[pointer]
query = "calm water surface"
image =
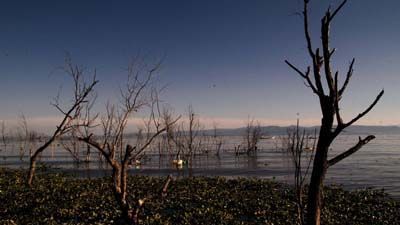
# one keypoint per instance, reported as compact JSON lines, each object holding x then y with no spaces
{"x":376,"y":165}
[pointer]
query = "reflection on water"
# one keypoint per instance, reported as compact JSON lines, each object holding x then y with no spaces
{"x":376,"y":165}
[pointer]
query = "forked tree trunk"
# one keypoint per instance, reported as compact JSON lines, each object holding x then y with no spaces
{"x":119,"y":176}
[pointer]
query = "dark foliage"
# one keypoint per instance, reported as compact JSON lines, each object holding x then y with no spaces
{"x":59,"y":199}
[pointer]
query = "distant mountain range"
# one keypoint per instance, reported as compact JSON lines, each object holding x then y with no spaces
{"x":277,"y":130}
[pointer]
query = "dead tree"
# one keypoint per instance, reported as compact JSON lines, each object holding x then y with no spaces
{"x":217,"y":140}
{"x":25,"y":137}
{"x":299,"y":147}
{"x":192,"y":142}
{"x":4,"y":136}
{"x":329,"y":102}
{"x":253,"y":134}
{"x":187,"y":136}
{"x":88,"y":116}
{"x":81,"y":92}
{"x":170,"y":131}
{"x":136,"y":97}
{"x":72,"y":143}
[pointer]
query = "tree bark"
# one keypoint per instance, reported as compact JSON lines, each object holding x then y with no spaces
{"x":116,"y":176}
{"x":320,"y":167}
{"x":329,"y":103}
{"x":32,"y":168}
{"x":315,"y":189}
{"x":119,"y":176}
{"x":33,"y":159}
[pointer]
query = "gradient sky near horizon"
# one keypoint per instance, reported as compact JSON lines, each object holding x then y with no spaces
{"x":226,"y":58}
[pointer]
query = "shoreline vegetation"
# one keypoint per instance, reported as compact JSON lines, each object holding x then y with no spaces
{"x":57,"y":198}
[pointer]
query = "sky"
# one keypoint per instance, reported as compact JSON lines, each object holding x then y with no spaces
{"x":225,"y":58}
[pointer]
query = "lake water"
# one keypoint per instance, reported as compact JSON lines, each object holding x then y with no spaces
{"x":376,"y":165}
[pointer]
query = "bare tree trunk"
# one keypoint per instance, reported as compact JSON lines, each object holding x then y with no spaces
{"x":315,"y":189}
{"x":32,"y":168}
{"x":119,"y":181}
{"x":135,"y":98}
{"x":4,"y":136}
{"x":116,"y":177}
{"x":295,"y":145}
{"x":320,"y":166}
{"x":300,"y":207}
{"x":87,"y":160}
{"x":33,"y":159}
{"x":330,"y":107}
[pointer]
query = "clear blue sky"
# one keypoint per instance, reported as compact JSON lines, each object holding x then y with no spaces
{"x":226,"y":58}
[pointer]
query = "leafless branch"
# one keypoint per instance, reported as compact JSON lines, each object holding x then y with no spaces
{"x":81,"y":91}
{"x":348,"y":76}
{"x":137,"y":96}
{"x":332,"y":16}
{"x":359,"y":116}
{"x":340,"y":157}
{"x":305,"y":76}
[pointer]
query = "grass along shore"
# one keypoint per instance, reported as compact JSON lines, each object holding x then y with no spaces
{"x":60,"y":199}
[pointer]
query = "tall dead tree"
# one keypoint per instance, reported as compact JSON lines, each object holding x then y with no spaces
{"x":81,"y":91}
{"x":329,"y":102}
{"x":138,"y":96}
